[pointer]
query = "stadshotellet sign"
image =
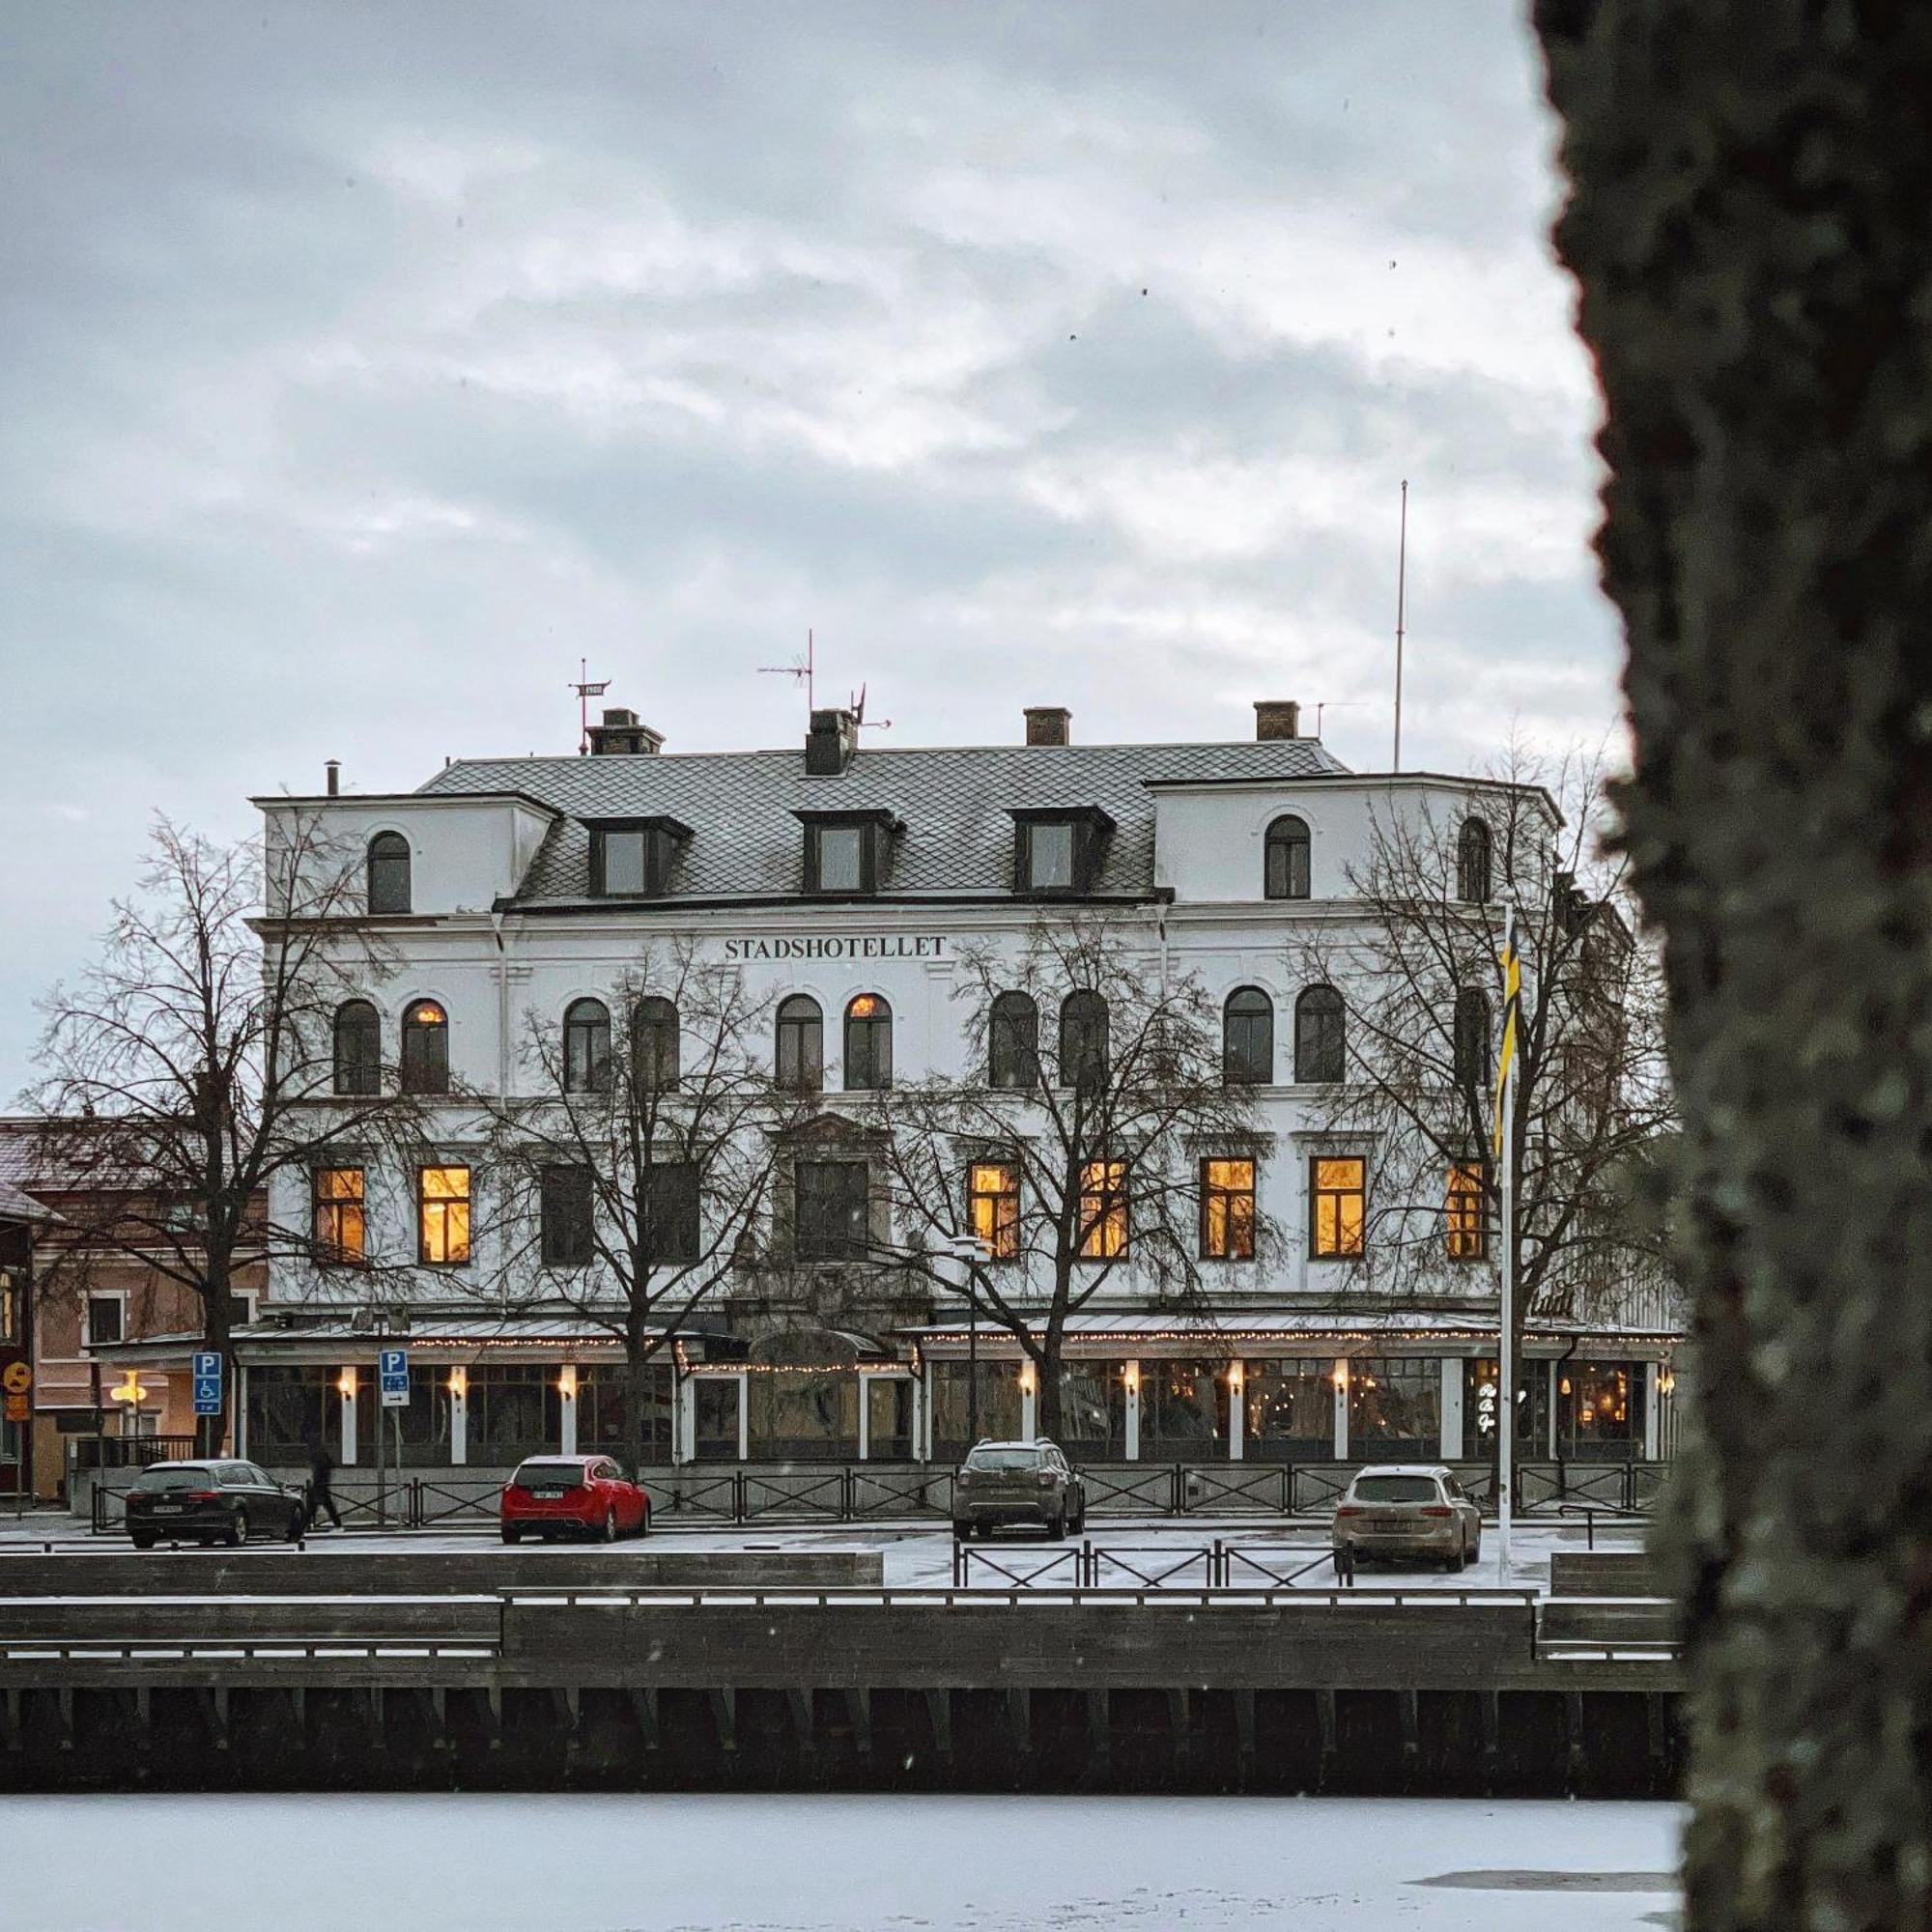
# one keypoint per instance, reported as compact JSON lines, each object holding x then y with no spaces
{"x":839,"y":946}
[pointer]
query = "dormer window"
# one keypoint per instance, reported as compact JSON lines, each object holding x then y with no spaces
{"x":632,"y":858}
{"x":1057,"y":853}
{"x":845,"y":851}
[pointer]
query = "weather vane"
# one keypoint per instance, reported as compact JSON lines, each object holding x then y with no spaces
{"x":585,"y":690}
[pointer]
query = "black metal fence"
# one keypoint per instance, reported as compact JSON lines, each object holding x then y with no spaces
{"x":695,"y":1495}
{"x":1220,"y":1565}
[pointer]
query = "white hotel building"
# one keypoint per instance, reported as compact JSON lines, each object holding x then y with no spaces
{"x":507,"y":889}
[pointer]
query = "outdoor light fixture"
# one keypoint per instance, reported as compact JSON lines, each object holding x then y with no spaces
{"x":566,"y":1382}
{"x":1025,"y":1378}
{"x":1133,"y":1378}
{"x":345,"y":1384}
{"x":1341,"y":1375}
{"x":130,"y":1390}
{"x":459,"y":1383}
{"x":1233,"y":1375}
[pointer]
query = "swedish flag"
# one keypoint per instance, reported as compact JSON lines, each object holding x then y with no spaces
{"x":1511,"y":965}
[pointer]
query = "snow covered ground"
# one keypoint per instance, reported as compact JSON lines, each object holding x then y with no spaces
{"x":705,"y":1863}
{"x":920,"y":1557}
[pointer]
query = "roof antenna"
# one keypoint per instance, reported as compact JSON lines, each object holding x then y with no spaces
{"x":804,"y":669}
{"x":1401,"y":595}
{"x":860,"y":722}
{"x":585,"y":690}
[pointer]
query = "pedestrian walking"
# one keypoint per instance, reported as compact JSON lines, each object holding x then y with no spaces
{"x":321,"y":1470}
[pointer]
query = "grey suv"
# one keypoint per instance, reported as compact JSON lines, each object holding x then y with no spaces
{"x":1002,"y":1483}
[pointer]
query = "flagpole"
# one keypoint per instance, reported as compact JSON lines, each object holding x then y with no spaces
{"x":1506,"y":1341}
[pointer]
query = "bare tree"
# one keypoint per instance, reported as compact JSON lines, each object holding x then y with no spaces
{"x":634,"y":1167}
{"x":1404,"y":1013}
{"x":194,"y":1061}
{"x":1077,"y":1151}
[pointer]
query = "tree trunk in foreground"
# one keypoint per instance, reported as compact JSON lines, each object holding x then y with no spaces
{"x":1750,"y":225}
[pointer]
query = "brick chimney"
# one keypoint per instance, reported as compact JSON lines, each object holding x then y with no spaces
{"x":1047,"y":725}
{"x":829,"y":743}
{"x":1277,"y":717}
{"x":621,"y":734}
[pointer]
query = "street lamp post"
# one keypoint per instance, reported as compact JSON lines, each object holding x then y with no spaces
{"x":381,"y":1324}
{"x":968,"y":1250}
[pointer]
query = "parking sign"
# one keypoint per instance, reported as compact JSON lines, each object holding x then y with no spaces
{"x":392,"y":1367}
{"x":207,"y":1384}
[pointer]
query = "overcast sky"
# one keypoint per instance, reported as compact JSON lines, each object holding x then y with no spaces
{"x":362,"y":367}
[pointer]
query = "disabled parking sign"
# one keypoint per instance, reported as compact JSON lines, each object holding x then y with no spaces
{"x":208,"y":1383}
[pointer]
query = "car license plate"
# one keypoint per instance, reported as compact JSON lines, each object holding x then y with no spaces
{"x":169,"y":1509}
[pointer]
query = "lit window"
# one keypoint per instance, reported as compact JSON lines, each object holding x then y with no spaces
{"x":341,"y":1230}
{"x":1228,"y":1211}
{"x":1103,"y":1209}
{"x":993,"y":1204}
{"x":1468,"y":1226}
{"x":1338,"y":1206}
{"x":425,"y":1048}
{"x":869,"y":1044}
{"x":442,"y":1216}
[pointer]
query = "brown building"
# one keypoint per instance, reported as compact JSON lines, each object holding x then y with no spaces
{"x":86,"y":1293}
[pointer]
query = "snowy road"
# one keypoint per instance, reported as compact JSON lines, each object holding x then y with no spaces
{"x":923,"y":1557}
{"x":701,"y":1864}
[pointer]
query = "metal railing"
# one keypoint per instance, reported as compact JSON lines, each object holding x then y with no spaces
{"x":1269,"y":1569}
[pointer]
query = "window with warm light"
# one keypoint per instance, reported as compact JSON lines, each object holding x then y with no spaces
{"x":425,"y":1048}
{"x":993,"y":1206}
{"x":1338,"y":1206}
{"x":341,"y":1228}
{"x":869,"y":1044}
{"x":1466,"y":1216}
{"x":442,"y":1216}
{"x":1227,"y":1209}
{"x":1103,"y":1210}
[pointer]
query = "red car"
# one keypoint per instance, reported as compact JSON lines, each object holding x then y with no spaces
{"x":589,"y":1495}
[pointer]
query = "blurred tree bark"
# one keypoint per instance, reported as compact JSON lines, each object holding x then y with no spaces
{"x":1750,"y":222}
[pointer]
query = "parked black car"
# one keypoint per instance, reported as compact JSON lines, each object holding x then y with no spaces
{"x":211,"y":1502}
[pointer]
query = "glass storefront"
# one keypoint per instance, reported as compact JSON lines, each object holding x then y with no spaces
{"x":1183,"y":1411}
{"x":887,"y":1418}
{"x":714,"y":1403}
{"x":1395,"y":1409}
{"x":999,"y":1416}
{"x":515,"y":1410}
{"x":288,"y":1406}
{"x":1599,"y":1412}
{"x":600,"y":1414}
{"x":1094,"y":1400}
{"x":1289,"y":1411}
{"x":803,"y":1416}
{"x":1479,"y":1385}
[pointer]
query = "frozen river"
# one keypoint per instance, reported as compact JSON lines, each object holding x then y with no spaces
{"x":699,"y":1863}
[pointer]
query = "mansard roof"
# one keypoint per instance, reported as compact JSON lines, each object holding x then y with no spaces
{"x":956,"y":804}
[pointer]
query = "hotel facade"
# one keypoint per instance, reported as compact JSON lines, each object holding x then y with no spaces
{"x":510,"y":901}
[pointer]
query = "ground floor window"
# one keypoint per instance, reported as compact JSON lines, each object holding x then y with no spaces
{"x":804,"y":1416}
{"x":1599,"y":1412}
{"x":1531,"y":1435}
{"x":416,"y":1435}
{"x":515,"y":1410}
{"x":714,"y":1404}
{"x":288,"y":1407}
{"x":1183,"y":1411}
{"x":887,"y":1418}
{"x":600,"y":1414}
{"x":1094,"y":1400}
{"x":1289,"y":1411}
{"x":1395,"y":1409}
{"x":999,"y":1406}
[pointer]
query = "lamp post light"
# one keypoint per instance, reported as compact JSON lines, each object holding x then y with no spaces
{"x":969,"y":1251}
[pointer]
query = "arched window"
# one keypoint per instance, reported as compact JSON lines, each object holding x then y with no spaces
{"x":1472,"y":863}
{"x":586,"y":1047}
{"x":1319,"y":1040}
{"x":425,"y":1048}
{"x":1472,"y":1040}
{"x":1248,"y":1039}
{"x":1286,"y":873}
{"x":801,"y":1044}
{"x":358,"y":1048}
{"x":654,"y":1046}
{"x":869,"y":1044}
{"x":1083,"y":1040}
{"x":1012,"y":1043}
{"x":388,"y":872}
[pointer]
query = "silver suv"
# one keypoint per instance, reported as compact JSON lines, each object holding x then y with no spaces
{"x":1002,"y":1483}
{"x":1399,"y":1510}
